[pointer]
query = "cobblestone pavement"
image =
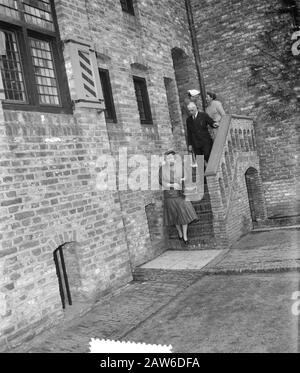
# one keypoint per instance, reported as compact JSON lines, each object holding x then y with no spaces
{"x":241,"y":312}
{"x":114,"y":317}
{"x":228,"y":313}
{"x":274,"y":250}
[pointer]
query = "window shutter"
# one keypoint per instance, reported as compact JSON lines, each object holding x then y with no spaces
{"x":110,"y":112}
{"x":87,"y":91}
{"x":127,"y":6}
{"x":2,"y":53}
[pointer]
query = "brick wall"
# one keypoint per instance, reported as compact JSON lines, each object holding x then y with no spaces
{"x":49,"y":168}
{"x":49,"y":198}
{"x":49,"y":163}
{"x":141,"y":45}
{"x":229,"y":36}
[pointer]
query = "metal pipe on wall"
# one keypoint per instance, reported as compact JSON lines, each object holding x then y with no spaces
{"x":297,"y":13}
{"x":196,"y":51}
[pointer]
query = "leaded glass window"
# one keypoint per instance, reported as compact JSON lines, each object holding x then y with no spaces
{"x":38,"y":13}
{"x":11,"y":69}
{"x":142,"y":98}
{"x":44,"y":72}
{"x":31,"y":61}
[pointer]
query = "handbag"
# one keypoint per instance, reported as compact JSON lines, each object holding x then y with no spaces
{"x":193,"y":185}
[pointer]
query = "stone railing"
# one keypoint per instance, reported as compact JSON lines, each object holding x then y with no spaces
{"x":233,"y":152}
{"x":235,"y":136}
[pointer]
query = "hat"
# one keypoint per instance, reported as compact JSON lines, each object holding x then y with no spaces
{"x":194,"y":92}
{"x":170,"y":152}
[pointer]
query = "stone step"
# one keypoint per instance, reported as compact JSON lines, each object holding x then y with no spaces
{"x":200,"y":225}
{"x":199,"y":230}
{"x":201,"y":233}
{"x":278,"y":221}
{"x":203,"y":229}
{"x":202,"y":204}
{"x":206,"y":240}
{"x":205,"y":199}
{"x":204,"y":216}
{"x":203,"y":209}
{"x":182,"y":276}
{"x":208,"y":243}
{"x":202,"y":221}
{"x":179,"y":266}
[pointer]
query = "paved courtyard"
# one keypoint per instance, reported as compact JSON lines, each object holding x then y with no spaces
{"x":246,"y":313}
{"x":176,"y":259}
{"x":240,"y":301}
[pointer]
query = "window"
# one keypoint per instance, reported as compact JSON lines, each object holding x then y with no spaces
{"x":110,"y":112}
{"x":127,"y":6}
{"x":31,"y":62}
{"x":142,"y":100}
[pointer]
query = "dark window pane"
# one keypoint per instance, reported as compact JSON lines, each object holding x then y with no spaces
{"x":142,"y":98}
{"x":139,"y":97}
{"x":9,"y":8}
{"x":110,"y":112}
{"x":38,"y":13}
{"x":127,"y":6}
{"x":44,"y":72}
{"x":31,"y":64}
{"x":11,"y":70}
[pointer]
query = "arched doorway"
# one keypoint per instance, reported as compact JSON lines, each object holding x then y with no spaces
{"x":68,"y":273}
{"x":154,"y":214}
{"x":255,"y":194}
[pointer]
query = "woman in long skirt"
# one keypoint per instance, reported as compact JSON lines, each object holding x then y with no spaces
{"x":177,"y":211}
{"x":215,"y":110}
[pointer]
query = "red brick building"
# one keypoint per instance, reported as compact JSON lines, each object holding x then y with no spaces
{"x":62,"y":64}
{"x":246,"y":52}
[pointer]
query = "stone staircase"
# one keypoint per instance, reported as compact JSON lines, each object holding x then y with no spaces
{"x":200,"y":232}
{"x":232,"y":206}
{"x":233,"y":194}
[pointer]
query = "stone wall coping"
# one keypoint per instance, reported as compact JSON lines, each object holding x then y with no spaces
{"x":220,"y":141}
{"x":218,"y":146}
{"x":235,"y":116}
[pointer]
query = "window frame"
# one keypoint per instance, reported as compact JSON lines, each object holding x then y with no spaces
{"x":129,"y":8}
{"x":23,"y":32}
{"x":107,"y":95}
{"x":145,"y":97}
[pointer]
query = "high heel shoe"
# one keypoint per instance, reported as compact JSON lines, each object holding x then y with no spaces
{"x":186,"y":242}
{"x":180,"y":238}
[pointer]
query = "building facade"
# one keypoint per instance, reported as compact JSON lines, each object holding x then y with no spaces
{"x":247,"y":59}
{"x":81,"y":81}
{"x":53,"y":132}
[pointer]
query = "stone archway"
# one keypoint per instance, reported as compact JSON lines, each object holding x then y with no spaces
{"x":255,"y":194}
{"x":68,"y":273}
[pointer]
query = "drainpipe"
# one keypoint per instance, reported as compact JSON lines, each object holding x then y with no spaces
{"x":196,"y":51}
{"x":297,"y":14}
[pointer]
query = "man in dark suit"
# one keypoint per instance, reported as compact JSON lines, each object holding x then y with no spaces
{"x":198,"y":137}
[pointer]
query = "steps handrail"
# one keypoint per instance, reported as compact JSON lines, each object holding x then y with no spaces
{"x":218,"y":146}
{"x":220,"y":141}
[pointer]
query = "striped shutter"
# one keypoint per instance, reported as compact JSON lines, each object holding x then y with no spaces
{"x":2,"y":53}
{"x":87,"y":91}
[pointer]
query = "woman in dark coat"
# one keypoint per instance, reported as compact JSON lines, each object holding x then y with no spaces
{"x":177,"y":211}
